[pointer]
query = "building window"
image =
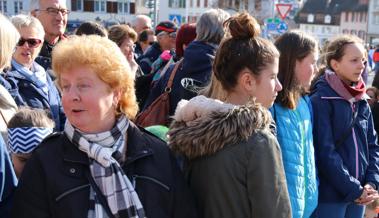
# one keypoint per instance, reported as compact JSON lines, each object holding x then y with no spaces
{"x":123,"y":7}
{"x":3,"y":6}
{"x":346,"y":16}
{"x":376,"y":19}
{"x":100,"y":5}
{"x":18,"y":7}
{"x":205,"y":3}
{"x":198,"y":3}
{"x":191,"y":3}
{"x":352,"y":17}
{"x":77,"y":5}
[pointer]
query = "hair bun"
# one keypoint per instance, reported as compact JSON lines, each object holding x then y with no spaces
{"x":243,"y":26}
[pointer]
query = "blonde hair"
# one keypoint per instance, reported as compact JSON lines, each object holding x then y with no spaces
{"x":105,"y":58}
{"x":8,"y":40}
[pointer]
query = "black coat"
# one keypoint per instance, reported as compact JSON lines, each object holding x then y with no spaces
{"x":54,"y":185}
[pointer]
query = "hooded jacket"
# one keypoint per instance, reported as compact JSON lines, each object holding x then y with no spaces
{"x":195,"y":70}
{"x":234,"y":165}
{"x":345,"y":168}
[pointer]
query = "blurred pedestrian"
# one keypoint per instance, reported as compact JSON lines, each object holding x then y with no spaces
{"x":90,"y":27}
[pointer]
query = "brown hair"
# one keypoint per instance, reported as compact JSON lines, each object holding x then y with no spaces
{"x":335,"y":50}
{"x":118,"y":33}
{"x":242,"y":48}
{"x":293,"y":46}
{"x":31,"y":117}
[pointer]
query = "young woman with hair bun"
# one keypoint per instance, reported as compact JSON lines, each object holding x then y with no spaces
{"x":233,"y":161}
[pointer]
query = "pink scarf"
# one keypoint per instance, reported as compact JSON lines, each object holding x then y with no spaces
{"x":350,"y":93}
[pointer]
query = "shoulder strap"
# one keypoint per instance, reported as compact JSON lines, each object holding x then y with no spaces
{"x":169,"y":84}
{"x":99,"y":195}
{"x":348,"y":130}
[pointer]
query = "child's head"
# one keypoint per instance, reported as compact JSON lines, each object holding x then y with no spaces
{"x":26,"y":129}
{"x":373,"y":93}
{"x":297,"y":65}
{"x":246,"y":64}
{"x":345,"y":55}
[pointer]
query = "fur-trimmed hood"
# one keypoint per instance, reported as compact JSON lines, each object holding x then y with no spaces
{"x":203,"y":126}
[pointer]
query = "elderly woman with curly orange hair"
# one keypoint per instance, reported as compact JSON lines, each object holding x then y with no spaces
{"x":102,"y":165}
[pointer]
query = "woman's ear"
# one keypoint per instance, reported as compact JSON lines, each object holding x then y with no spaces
{"x":335,"y":65}
{"x":247,"y":81}
{"x":116,"y":96}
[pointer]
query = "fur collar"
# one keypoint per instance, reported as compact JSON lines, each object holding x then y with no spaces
{"x":203,"y":126}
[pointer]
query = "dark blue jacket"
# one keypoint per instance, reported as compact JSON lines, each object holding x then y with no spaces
{"x":53,"y":183}
{"x":8,"y":181}
{"x":345,"y":168}
{"x":196,"y":67}
{"x":146,"y":60}
{"x":26,"y":93}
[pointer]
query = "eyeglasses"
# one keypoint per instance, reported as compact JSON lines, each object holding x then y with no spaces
{"x":133,"y":46}
{"x":32,"y":43}
{"x":55,"y":11}
{"x":171,"y":35}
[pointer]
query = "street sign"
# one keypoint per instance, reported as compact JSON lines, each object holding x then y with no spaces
{"x":176,"y":18}
{"x":283,"y":10}
{"x":282,"y":27}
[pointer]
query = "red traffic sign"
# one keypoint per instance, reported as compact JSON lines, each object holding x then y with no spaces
{"x":283,"y":10}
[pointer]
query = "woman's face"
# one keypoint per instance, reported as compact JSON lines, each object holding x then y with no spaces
{"x":351,"y":65}
{"x":88,"y":102}
{"x":127,"y":48}
{"x":28,"y":47}
{"x":305,"y":69}
{"x":267,"y":85}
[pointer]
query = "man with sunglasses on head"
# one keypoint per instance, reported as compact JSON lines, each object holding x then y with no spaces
{"x":53,"y":16}
{"x":165,"y":32}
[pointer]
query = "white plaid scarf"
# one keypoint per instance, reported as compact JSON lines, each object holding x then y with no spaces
{"x":122,"y":199}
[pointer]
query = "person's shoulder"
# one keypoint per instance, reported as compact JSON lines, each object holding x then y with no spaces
{"x":51,"y":142}
{"x":261,"y":140}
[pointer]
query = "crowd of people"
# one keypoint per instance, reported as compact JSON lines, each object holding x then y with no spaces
{"x":204,"y":120}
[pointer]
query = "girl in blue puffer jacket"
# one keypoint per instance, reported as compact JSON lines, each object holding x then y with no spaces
{"x":346,"y":148}
{"x":292,"y":112}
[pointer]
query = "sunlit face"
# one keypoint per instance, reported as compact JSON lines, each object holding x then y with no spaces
{"x":167,"y":40}
{"x":53,"y":23}
{"x":267,"y":85}
{"x":351,"y":65}
{"x":19,"y":161}
{"x":26,"y":53}
{"x":127,"y":48}
{"x":88,"y":102}
{"x":305,"y":69}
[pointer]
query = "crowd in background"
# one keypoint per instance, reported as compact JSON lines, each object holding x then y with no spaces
{"x":206,"y":120}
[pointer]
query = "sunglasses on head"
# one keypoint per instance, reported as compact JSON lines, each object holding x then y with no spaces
{"x":31,"y":42}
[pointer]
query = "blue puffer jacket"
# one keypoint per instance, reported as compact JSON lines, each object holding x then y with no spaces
{"x":294,"y":133}
{"x":345,"y":168}
{"x":26,"y":92}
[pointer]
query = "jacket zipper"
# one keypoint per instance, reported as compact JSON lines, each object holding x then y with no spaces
{"x":356,"y":147}
{"x":135,"y":177}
